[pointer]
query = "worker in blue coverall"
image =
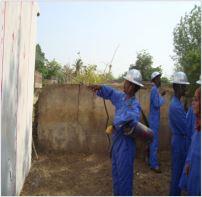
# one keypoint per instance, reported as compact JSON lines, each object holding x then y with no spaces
{"x":177,"y":123}
{"x":190,"y":128}
{"x":193,"y":160}
{"x":156,"y":101}
{"x":191,"y":118}
{"x":191,"y":177}
{"x":191,"y":124}
{"x":127,"y":108}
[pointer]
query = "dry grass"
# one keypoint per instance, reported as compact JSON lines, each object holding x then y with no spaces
{"x":81,"y":175}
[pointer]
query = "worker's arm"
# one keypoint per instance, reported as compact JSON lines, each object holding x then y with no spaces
{"x":107,"y":92}
{"x":130,"y":117}
{"x":188,"y":158}
{"x":156,"y":98}
{"x":178,"y":118}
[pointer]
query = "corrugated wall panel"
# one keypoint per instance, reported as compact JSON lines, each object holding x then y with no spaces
{"x":17,"y":81}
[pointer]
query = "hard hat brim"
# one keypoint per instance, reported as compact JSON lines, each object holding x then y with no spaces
{"x":183,"y":83}
{"x":156,"y":76}
{"x":135,"y":82}
{"x":199,"y":82}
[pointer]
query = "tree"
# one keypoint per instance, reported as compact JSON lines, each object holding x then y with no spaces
{"x":165,"y":80}
{"x":75,"y":73}
{"x":78,"y":66}
{"x":89,"y":74}
{"x":48,"y":69}
{"x":144,"y":64}
{"x":54,"y":70}
{"x":187,"y":46}
{"x":40,"y":61}
{"x":67,"y":73}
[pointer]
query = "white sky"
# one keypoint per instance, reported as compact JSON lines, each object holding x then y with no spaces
{"x":95,"y":28}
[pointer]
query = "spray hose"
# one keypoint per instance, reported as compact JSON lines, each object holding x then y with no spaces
{"x":109,"y":141}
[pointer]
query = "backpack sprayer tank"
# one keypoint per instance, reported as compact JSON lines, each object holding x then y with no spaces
{"x":140,"y":130}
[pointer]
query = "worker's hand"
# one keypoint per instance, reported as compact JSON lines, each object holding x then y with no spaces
{"x":94,"y":88}
{"x":187,"y":169}
{"x":163,"y":93}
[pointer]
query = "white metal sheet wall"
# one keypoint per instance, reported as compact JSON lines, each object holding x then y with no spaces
{"x":17,"y":47}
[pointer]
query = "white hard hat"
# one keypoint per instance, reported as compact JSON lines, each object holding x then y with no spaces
{"x":155,"y":74}
{"x":134,"y":76}
{"x":199,"y":81}
{"x":180,"y":78}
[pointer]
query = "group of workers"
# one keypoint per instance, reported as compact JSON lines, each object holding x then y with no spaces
{"x":185,"y":128}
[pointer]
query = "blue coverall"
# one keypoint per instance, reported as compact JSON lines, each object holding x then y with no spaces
{"x":190,"y":119}
{"x":177,"y":123}
{"x":190,"y":124}
{"x":193,"y":180}
{"x":123,"y":151}
{"x":194,"y":159}
{"x":156,"y":101}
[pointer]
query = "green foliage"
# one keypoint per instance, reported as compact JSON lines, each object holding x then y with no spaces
{"x":40,"y":61}
{"x":53,"y":69}
{"x":144,"y":64}
{"x":49,"y":70}
{"x":165,"y":80}
{"x":69,"y":74}
{"x":40,"y":57}
{"x":187,"y":46}
{"x":78,"y":66}
{"x":90,"y":75}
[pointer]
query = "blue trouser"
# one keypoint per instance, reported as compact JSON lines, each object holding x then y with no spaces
{"x":184,"y":177}
{"x":153,"y":149}
{"x":123,"y":155}
{"x":194,"y":181}
{"x":178,"y":160}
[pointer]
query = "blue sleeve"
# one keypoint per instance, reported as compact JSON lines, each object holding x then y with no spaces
{"x":178,"y":119}
{"x":109,"y":93}
{"x":156,"y":98}
{"x":190,"y":117}
{"x":130,"y":116}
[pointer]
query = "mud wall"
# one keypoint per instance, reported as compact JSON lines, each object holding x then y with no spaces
{"x":17,"y":60}
{"x":73,"y":119}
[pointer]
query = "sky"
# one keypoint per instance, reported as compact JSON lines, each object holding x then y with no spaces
{"x":97,"y":28}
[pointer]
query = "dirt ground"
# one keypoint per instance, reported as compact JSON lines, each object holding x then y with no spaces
{"x":82,"y":175}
